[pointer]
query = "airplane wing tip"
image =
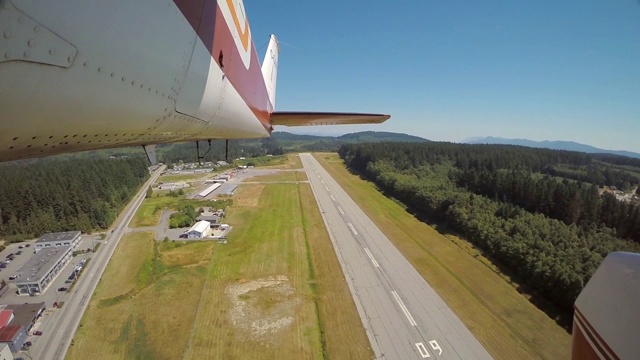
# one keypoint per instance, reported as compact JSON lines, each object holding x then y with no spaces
{"x":297,"y":118}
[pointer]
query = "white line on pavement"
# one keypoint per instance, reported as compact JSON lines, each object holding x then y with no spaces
{"x":375,"y":263}
{"x":404,"y":309}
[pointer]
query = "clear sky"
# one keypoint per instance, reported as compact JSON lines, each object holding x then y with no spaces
{"x":450,"y":69}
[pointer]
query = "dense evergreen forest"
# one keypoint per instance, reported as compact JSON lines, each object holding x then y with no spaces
{"x":60,"y":194}
{"x":536,"y":212}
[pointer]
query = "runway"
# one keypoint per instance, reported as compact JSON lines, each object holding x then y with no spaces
{"x":403,"y":316}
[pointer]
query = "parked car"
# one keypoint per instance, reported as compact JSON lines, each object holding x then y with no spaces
{"x":19,"y":252}
{"x":37,"y":332}
{"x":27,"y":245}
{"x":62,"y":289}
{"x":10,"y":255}
{"x":184,"y":236}
{"x":28,"y":343}
{"x":7,"y":261}
{"x":3,"y":265}
{"x":13,"y":277}
{"x":21,"y":247}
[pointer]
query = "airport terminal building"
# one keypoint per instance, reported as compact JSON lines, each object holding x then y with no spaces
{"x":35,"y":276}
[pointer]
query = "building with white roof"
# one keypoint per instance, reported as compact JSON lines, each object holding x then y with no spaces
{"x":199,"y":230}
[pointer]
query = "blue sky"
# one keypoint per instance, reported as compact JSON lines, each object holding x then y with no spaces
{"x":448,"y":69}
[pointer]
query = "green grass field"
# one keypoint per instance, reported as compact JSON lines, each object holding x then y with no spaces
{"x":151,"y":208}
{"x":272,"y":238}
{"x":503,"y":320}
{"x":181,"y":177}
{"x":146,"y":301}
{"x":167,"y":300}
{"x":281,"y":176}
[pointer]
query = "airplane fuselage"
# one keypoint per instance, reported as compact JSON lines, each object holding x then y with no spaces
{"x":81,"y":75}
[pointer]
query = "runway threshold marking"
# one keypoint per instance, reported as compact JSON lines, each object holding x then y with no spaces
{"x":341,"y":211}
{"x":375,"y":263}
{"x":404,"y":309}
{"x":353,"y":230}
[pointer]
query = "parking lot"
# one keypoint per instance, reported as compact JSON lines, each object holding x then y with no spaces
{"x":51,"y":295}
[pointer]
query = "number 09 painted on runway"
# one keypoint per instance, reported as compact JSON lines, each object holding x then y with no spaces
{"x":423,"y":350}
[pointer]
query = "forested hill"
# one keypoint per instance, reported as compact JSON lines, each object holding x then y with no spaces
{"x":537,"y":212}
{"x":52,"y":195}
{"x":375,"y":136}
{"x":557,"y":145}
{"x":279,"y":143}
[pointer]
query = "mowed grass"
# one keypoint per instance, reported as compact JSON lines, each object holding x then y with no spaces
{"x":181,"y":177}
{"x":504,"y":321}
{"x":276,"y":237}
{"x":150,"y":210}
{"x":288,"y":161}
{"x":280,"y":176}
{"x":146,"y":301}
{"x":343,"y":334}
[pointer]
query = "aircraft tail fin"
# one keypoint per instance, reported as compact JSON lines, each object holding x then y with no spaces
{"x":270,"y":69}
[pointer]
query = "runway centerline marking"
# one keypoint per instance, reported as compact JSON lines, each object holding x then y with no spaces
{"x":332,"y":198}
{"x":375,"y":263}
{"x":326,"y":188}
{"x":404,"y":309}
{"x":353,"y":230}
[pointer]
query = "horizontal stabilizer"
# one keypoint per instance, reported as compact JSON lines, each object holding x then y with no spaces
{"x":292,"y":118}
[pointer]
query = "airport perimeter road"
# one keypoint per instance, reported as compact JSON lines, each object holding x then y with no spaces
{"x":59,"y":332}
{"x":402,"y":315}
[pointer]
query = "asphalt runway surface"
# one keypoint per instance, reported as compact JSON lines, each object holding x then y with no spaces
{"x":403,"y":316}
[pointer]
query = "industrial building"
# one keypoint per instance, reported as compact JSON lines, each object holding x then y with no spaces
{"x":69,"y":238}
{"x":209,"y":190}
{"x":35,"y":276}
{"x":199,"y":230}
{"x":16,"y":322}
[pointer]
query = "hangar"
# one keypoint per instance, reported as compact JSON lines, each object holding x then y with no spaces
{"x":199,"y":230}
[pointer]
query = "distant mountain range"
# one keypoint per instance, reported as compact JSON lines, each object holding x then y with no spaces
{"x":363,"y":136}
{"x":557,"y":145}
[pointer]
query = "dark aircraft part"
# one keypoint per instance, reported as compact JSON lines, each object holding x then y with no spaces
{"x":198,"y":151}
{"x":150,"y":150}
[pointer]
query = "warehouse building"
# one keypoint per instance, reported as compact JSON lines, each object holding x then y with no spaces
{"x":199,"y":230}
{"x":16,"y":321}
{"x":35,"y":276}
{"x":209,"y":190}
{"x":69,"y":238}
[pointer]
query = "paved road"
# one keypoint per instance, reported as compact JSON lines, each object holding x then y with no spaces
{"x":57,"y":337}
{"x":403,"y":316}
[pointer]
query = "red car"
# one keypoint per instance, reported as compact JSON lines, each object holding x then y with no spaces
{"x":37,"y":332}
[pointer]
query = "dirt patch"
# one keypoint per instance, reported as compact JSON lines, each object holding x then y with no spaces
{"x":248,"y":196}
{"x":264,"y":306}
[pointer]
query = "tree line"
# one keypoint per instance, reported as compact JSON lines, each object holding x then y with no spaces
{"x":497,"y":197}
{"x":82,"y":193}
